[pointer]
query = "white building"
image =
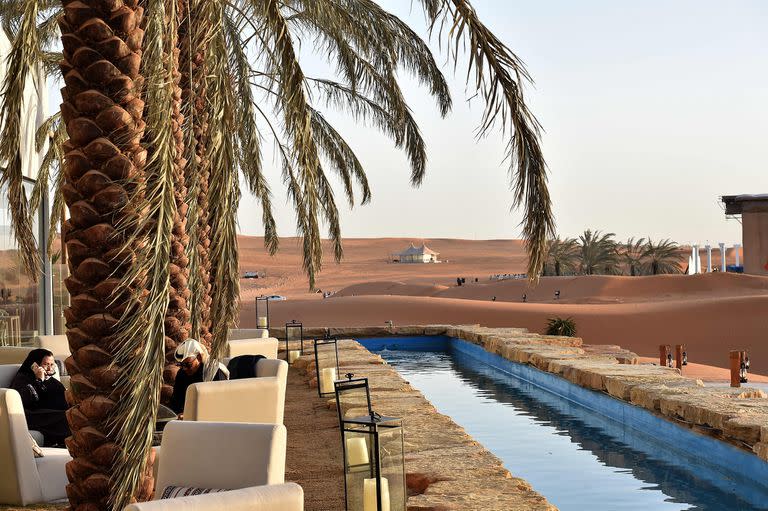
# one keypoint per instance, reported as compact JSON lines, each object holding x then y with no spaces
{"x":414,"y":254}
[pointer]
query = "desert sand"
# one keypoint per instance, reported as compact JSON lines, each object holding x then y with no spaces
{"x":709,"y":313}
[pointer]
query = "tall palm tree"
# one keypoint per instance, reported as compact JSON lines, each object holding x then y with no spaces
{"x":632,"y":253}
{"x":662,"y":257}
{"x":563,"y":255}
{"x":123,"y":172}
{"x":598,"y":253}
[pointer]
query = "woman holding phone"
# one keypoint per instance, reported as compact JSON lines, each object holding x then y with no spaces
{"x":43,"y":397}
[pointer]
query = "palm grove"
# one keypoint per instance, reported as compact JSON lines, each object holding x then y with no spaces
{"x":165,"y":107}
{"x":597,"y":253}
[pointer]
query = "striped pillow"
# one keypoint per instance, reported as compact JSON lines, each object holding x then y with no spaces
{"x":172,"y":492}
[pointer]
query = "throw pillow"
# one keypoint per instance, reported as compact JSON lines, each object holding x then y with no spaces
{"x":172,"y":492}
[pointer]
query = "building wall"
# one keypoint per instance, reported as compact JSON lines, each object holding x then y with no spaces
{"x":755,"y":241}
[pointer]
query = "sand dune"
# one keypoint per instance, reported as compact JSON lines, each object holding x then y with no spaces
{"x":709,"y":313}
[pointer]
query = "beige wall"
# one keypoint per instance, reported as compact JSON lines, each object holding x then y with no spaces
{"x":755,"y":240}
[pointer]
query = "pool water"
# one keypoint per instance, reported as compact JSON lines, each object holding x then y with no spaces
{"x":576,"y":458}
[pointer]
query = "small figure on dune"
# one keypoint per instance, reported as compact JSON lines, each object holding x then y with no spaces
{"x":557,"y":294}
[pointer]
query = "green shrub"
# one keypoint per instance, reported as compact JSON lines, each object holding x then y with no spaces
{"x":559,"y":326}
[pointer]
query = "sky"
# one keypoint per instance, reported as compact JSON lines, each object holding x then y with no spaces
{"x":651,"y":111}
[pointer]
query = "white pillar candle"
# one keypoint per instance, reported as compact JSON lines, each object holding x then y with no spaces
{"x":357,"y":451}
{"x":261,"y":322}
{"x":369,"y":495}
{"x":292,"y":356}
{"x":738,"y":256}
{"x":327,"y":377}
{"x":709,"y":258}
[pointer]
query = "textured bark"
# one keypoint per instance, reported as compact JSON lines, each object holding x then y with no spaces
{"x":102,"y":42}
{"x":192,"y":42}
{"x":103,"y":111}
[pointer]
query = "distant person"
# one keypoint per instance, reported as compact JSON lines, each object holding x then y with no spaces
{"x":42,"y":395}
{"x":196,"y":366}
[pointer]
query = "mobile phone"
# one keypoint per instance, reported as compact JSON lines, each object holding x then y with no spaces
{"x":34,"y":366}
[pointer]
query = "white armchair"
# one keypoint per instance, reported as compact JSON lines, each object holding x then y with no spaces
{"x":229,"y":456}
{"x":25,"y":479}
{"x":253,"y":400}
{"x":56,"y":344}
{"x":248,"y":333}
{"x":282,"y":497}
{"x":266,"y":346}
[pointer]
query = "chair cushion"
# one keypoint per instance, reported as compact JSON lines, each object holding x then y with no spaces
{"x":53,"y":474}
{"x":172,"y":492}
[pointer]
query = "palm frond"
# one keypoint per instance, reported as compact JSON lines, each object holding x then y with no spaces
{"x":21,"y":61}
{"x":499,"y":74}
{"x":141,"y":329}
{"x":224,"y":194}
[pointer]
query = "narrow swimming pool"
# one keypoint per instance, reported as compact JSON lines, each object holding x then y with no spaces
{"x":581,"y":449}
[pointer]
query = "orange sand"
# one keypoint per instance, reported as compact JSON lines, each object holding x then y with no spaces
{"x":709,"y":313}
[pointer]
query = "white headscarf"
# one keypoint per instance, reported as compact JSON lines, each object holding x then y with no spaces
{"x":193,"y":348}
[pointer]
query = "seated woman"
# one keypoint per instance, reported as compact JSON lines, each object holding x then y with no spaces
{"x":196,"y":367}
{"x":43,"y":397}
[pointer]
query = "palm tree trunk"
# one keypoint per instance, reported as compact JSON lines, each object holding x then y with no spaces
{"x":193,"y":43}
{"x":102,"y":42}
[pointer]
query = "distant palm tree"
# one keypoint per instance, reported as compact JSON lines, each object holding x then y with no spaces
{"x":598,"y":253}
{"x":562,"y":256}
{"x":662,"y":257}
{"x":632,"y":254}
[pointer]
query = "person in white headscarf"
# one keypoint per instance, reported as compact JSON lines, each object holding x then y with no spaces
{"x":195,"y":366}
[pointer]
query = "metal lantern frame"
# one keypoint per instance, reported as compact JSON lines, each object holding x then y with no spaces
{"x":374,"y":428}
{"x":327,"y":343}
{"x":351,"y":384}
{"x":264,"y":299}
{"x":292,"y":326}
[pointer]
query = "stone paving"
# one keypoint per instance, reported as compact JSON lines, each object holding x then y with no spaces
{"x":446,"y":468}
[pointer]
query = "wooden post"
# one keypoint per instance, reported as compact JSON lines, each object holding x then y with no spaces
{"x":735,"y":365}
{"x":663,"y":350}
{"x":679,"y":348}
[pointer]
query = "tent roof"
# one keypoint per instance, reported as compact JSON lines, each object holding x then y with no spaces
{"x":422,"y":250}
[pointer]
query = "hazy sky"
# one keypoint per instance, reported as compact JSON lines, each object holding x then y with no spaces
{"x":652,"y":110}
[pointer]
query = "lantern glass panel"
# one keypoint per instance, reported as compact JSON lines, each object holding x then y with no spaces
{"x":373,"y":452}
{"x":353,"y":398}
{"x":294,"y":341}
{"x":327,"y":365}
{"x":262,"y":312}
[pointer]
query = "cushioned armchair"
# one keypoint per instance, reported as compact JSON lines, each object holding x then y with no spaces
{"x":254,"y":400}
{"x":248,"y":333}
{"x":56,"y":344}
{"x":266,"y":346}
{"x":25,"y":479}
{"x":225,"y":456}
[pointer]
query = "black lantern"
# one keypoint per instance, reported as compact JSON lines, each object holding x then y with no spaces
{"x":685,"y":358}
{"x":669,"y":360}
{"x":746,"y":361}
{"x":557,"y":294}
{"x":374,"y":466}
{"x":326,"y":365}
{"x":353,"y":398}
{"x":294,"y":333}
{"x":262,"y":313}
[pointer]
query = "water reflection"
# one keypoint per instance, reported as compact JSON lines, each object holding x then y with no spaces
{"x":577,"y":459}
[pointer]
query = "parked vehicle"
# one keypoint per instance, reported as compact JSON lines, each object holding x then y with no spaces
{"x":251,"y":275}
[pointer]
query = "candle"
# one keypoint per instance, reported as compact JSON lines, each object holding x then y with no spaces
{"x":369,"y":495}
{"x":327,"y":377}
{"x":292,"y":356}
{"x":357,"y":451}
{"x":261,"y":322}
